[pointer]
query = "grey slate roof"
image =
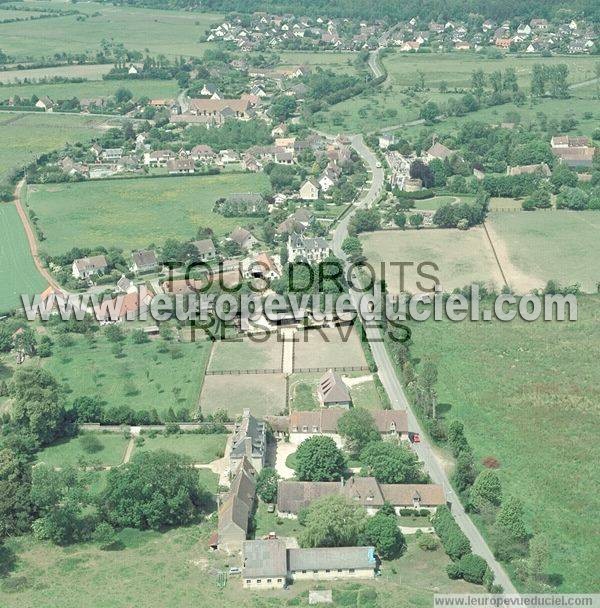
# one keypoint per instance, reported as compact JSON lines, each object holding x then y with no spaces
{"x":266,"y":558}
{"x":249,"y":438}
{"x":332,"y":389}
{"x":331,"y":558}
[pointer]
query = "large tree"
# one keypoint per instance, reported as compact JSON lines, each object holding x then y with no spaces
{"x":266,"y":484}
{"x":319,"y":459}
{"x":37,"y":405}
{"x":15,"y":492}
{"x":487,"y":489}
{"x":333,"y":521}
{"x":383,"y":533}
{"x":391,"y":463}
{"x":155,"y":489}
{"x":357,"y":427}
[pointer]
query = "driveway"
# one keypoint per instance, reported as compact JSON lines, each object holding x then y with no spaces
{"x":284,"y":449}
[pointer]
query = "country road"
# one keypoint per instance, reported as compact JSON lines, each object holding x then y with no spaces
{"x":389,"y":379}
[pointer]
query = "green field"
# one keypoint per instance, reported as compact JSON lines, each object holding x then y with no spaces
{"x":92,"y":88}
{"x":91,"y":72}
{"x":247,"y":354}
{"x":559,"y":245}
{"x":456,"y":69}
{"x":25,"y":136}
{"x":202,"y":449}
{"x":18,"y":273}
{"x":68,"y":453}
{"x":171,"y":33}
{"x":437,"y":201}
{"x":336,"y":61}
{"x":463,"y":257}
{"x":142,"y":379}
{"x":133,"y":213}
{"x":528,"y":395}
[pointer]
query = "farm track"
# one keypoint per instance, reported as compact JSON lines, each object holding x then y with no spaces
{"x":33,"y":246}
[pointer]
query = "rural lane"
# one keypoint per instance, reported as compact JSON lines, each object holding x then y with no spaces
{"x":389,"y":379}
{"x":33,"y":247}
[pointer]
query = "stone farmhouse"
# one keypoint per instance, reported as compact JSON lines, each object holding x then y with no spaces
{"x":144,"y":260}
{"x":332,"y":392}
{"x":249,"y":443}
{"x":573,"y":151}
{"x":269,"y":564}
{"x":292,"y":496}
{"x":236,"y":510}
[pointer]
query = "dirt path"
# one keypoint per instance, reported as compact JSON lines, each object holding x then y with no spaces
{"x":129,"y":450}
{"x":33,"y":246}
{"x":520,"y":282}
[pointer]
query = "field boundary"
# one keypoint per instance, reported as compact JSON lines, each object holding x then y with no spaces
{"x":343,"y":368}
{"x":242,"y":372}
{"x":489,"y":238}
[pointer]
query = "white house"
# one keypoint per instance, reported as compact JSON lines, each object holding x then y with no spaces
{"x":309,"y":191}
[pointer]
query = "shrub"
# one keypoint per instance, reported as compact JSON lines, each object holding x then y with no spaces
{"x":455,"y":543}
{"x":453,"y":571}
{"x":427,"y":542}
{"x":473,"y":568}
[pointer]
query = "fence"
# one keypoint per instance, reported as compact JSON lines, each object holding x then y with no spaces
{"x":347,"y":368}
{"x":238,"y":372}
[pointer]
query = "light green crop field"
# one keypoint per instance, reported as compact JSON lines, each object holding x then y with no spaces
{"x":67,"y":453}
{"x":171,"y":33}
{"x":202,"y":449}
{"x":18,"y":273}
{"x":463,"y":257}
{"x":175,"y":568}
{"x":336,"y":61}
{"x":25,"y":136}
{"x":91,"y":72}
{"x":437,"y":201}
{"x":92,"y":88}
{"x":142,"y":379}
{"x":558,"y":245}
{"x":528,"y":395}
{"x":133,"y":213}
{"x":331,"y":347}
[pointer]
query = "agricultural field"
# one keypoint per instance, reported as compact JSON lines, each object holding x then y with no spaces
{"x":18,"y":273}
{"x":175,"y":568}
{"x":201,"y":449}
{"x":247,"y":354}
{"x":336,"y":61}
{"x":171,"y":33}
{"x":536,"y":247}
{"x":264,"y":394}
{"x":431,"y":204}
{"x":69,"y":452}
{"x":528,"y":395}
{"x":456,"y":69}
{"x":90,"y":72}
{"x":25,"y":136}
{"x":143,"y":378}
{"x":463,"y":257}
{"x":331,"y":347}
{"x":92,"y":88}
{"x":83,"y":214}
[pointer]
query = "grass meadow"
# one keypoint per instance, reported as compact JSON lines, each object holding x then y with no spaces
{"x":143,"y":378}
{"x":463,"y":257}
{"x":18,"y":273}
{"x":246,"y":354}
{"x":331,"y":347}
{"x":132,"y":213}
{"x":560,"y":245}
{"x":90,"y":72}
{"x":528,"y":395}
{"x":25,"y":136}
{"x":92,"y":88}
{"x":171,"y":33}
{"x":175,"y":568}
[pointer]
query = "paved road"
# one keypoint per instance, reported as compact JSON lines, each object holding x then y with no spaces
{"x":389,"y":379}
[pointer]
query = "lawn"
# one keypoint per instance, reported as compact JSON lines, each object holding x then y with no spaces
{"x":463,"y":257}
{"x":500,"y":203}
{"x":269,"y":522}
{"x":26,"y":136}
{"x":437,"y":201}
{"x":18,"y":273}
{"x":528,"y":395}
{"x":92,"y":88}
{"x":262,"y":393}
{"x":133,"y":213}
{"x":247,"y":354}
{"x":171,"y":33}
{"x":202,"y":449}
{"x":69,"y":452}
{"x":175,"y":568}
{"x":331,"y":347}
{"x":143,"y":378}
{"x":560,"y":245}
